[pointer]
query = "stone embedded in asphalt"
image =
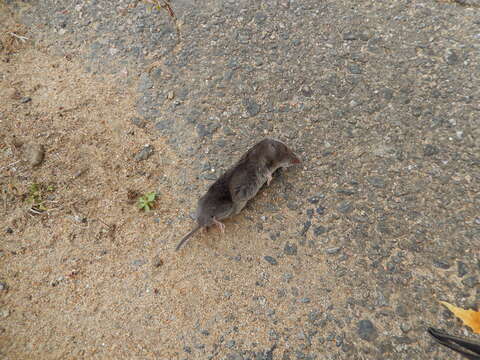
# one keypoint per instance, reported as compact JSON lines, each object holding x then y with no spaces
{"x":319,"y":230}
{"x":462,"y":269}
{"x":349,"y":36}
{"x":251,"y":106}
{"x":332,"y":250}
{"x":137,"y":122}
{"x":270,"y":260}
{"x":290,"y":249}
{"x":470,"y":281}
{"x":441,"y":264}
{"x":377,"y":182}
{"x":430,"y":150}
{"x":314,"y":200}
{"x":306,"y":226}
{"x":366,"y":330}
{"x":345,"y":207}
{"x":145,"y":153}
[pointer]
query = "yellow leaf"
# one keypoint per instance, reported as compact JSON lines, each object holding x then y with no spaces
{"x":471,"y":318}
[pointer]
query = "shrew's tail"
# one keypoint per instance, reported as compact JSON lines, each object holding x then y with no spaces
{"x":186,"y":237}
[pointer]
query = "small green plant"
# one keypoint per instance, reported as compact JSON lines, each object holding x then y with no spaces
{"x":36,"y":195}
{"x":146,"y":202}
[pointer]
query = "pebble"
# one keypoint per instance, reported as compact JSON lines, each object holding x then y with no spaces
{"x":401,"y":311}
{"x":34,"y":154}
{"x":346,"y":347}
{"x":234,"y":356}
{"x":290,"y":249}
{"x":462,"y":269}
{"x":145,"y":82}
{"x":314,"y":199}
{"x":306,"y":226}
{"x":137,"y":122}
{"x":470,"y":281}
{"x":345,"y":207}
{"x":355,"y":69}
{"x":157,"y":261}
{"x":441,"y":264}
{"x":451,"y":57}
{"x":377,"y":182}
{"x":3,"y":286}
{"x":163,"y":125}
{"x":430,"y":150}
{"x":366,"y":330}
{"x":319,"y":230}
{"x":314,"y":315}
{"x":270,"y":260}
{"x":139,"y":262}
{"x":145,"y":153}
{"x":339,"y":341}
{"x":207,"y":130}
{"x":9,"y":230}
{"x":349,"y":36}
{"x":251,"y":106}
{"x":345,"y":191}
{"x":320,"y":210}
{"x":306,"y":91}
{"x":25,"y":99}
{"x":273,"y":335}
{"x":310,"y":213}
{"x":333,"y":250}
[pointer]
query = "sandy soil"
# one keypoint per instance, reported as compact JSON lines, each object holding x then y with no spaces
{"x":86,"y":273}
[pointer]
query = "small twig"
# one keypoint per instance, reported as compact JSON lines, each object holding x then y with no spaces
{"x":35,"y":211}
{"x":7,"y":166}
{"x":5,"y":201}
{"x":98,"y":219}
{"x":19,"y":37}
{"x":165,"y":4}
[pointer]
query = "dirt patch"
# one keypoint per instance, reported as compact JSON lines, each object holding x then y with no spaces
{"x":70,"y":185}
